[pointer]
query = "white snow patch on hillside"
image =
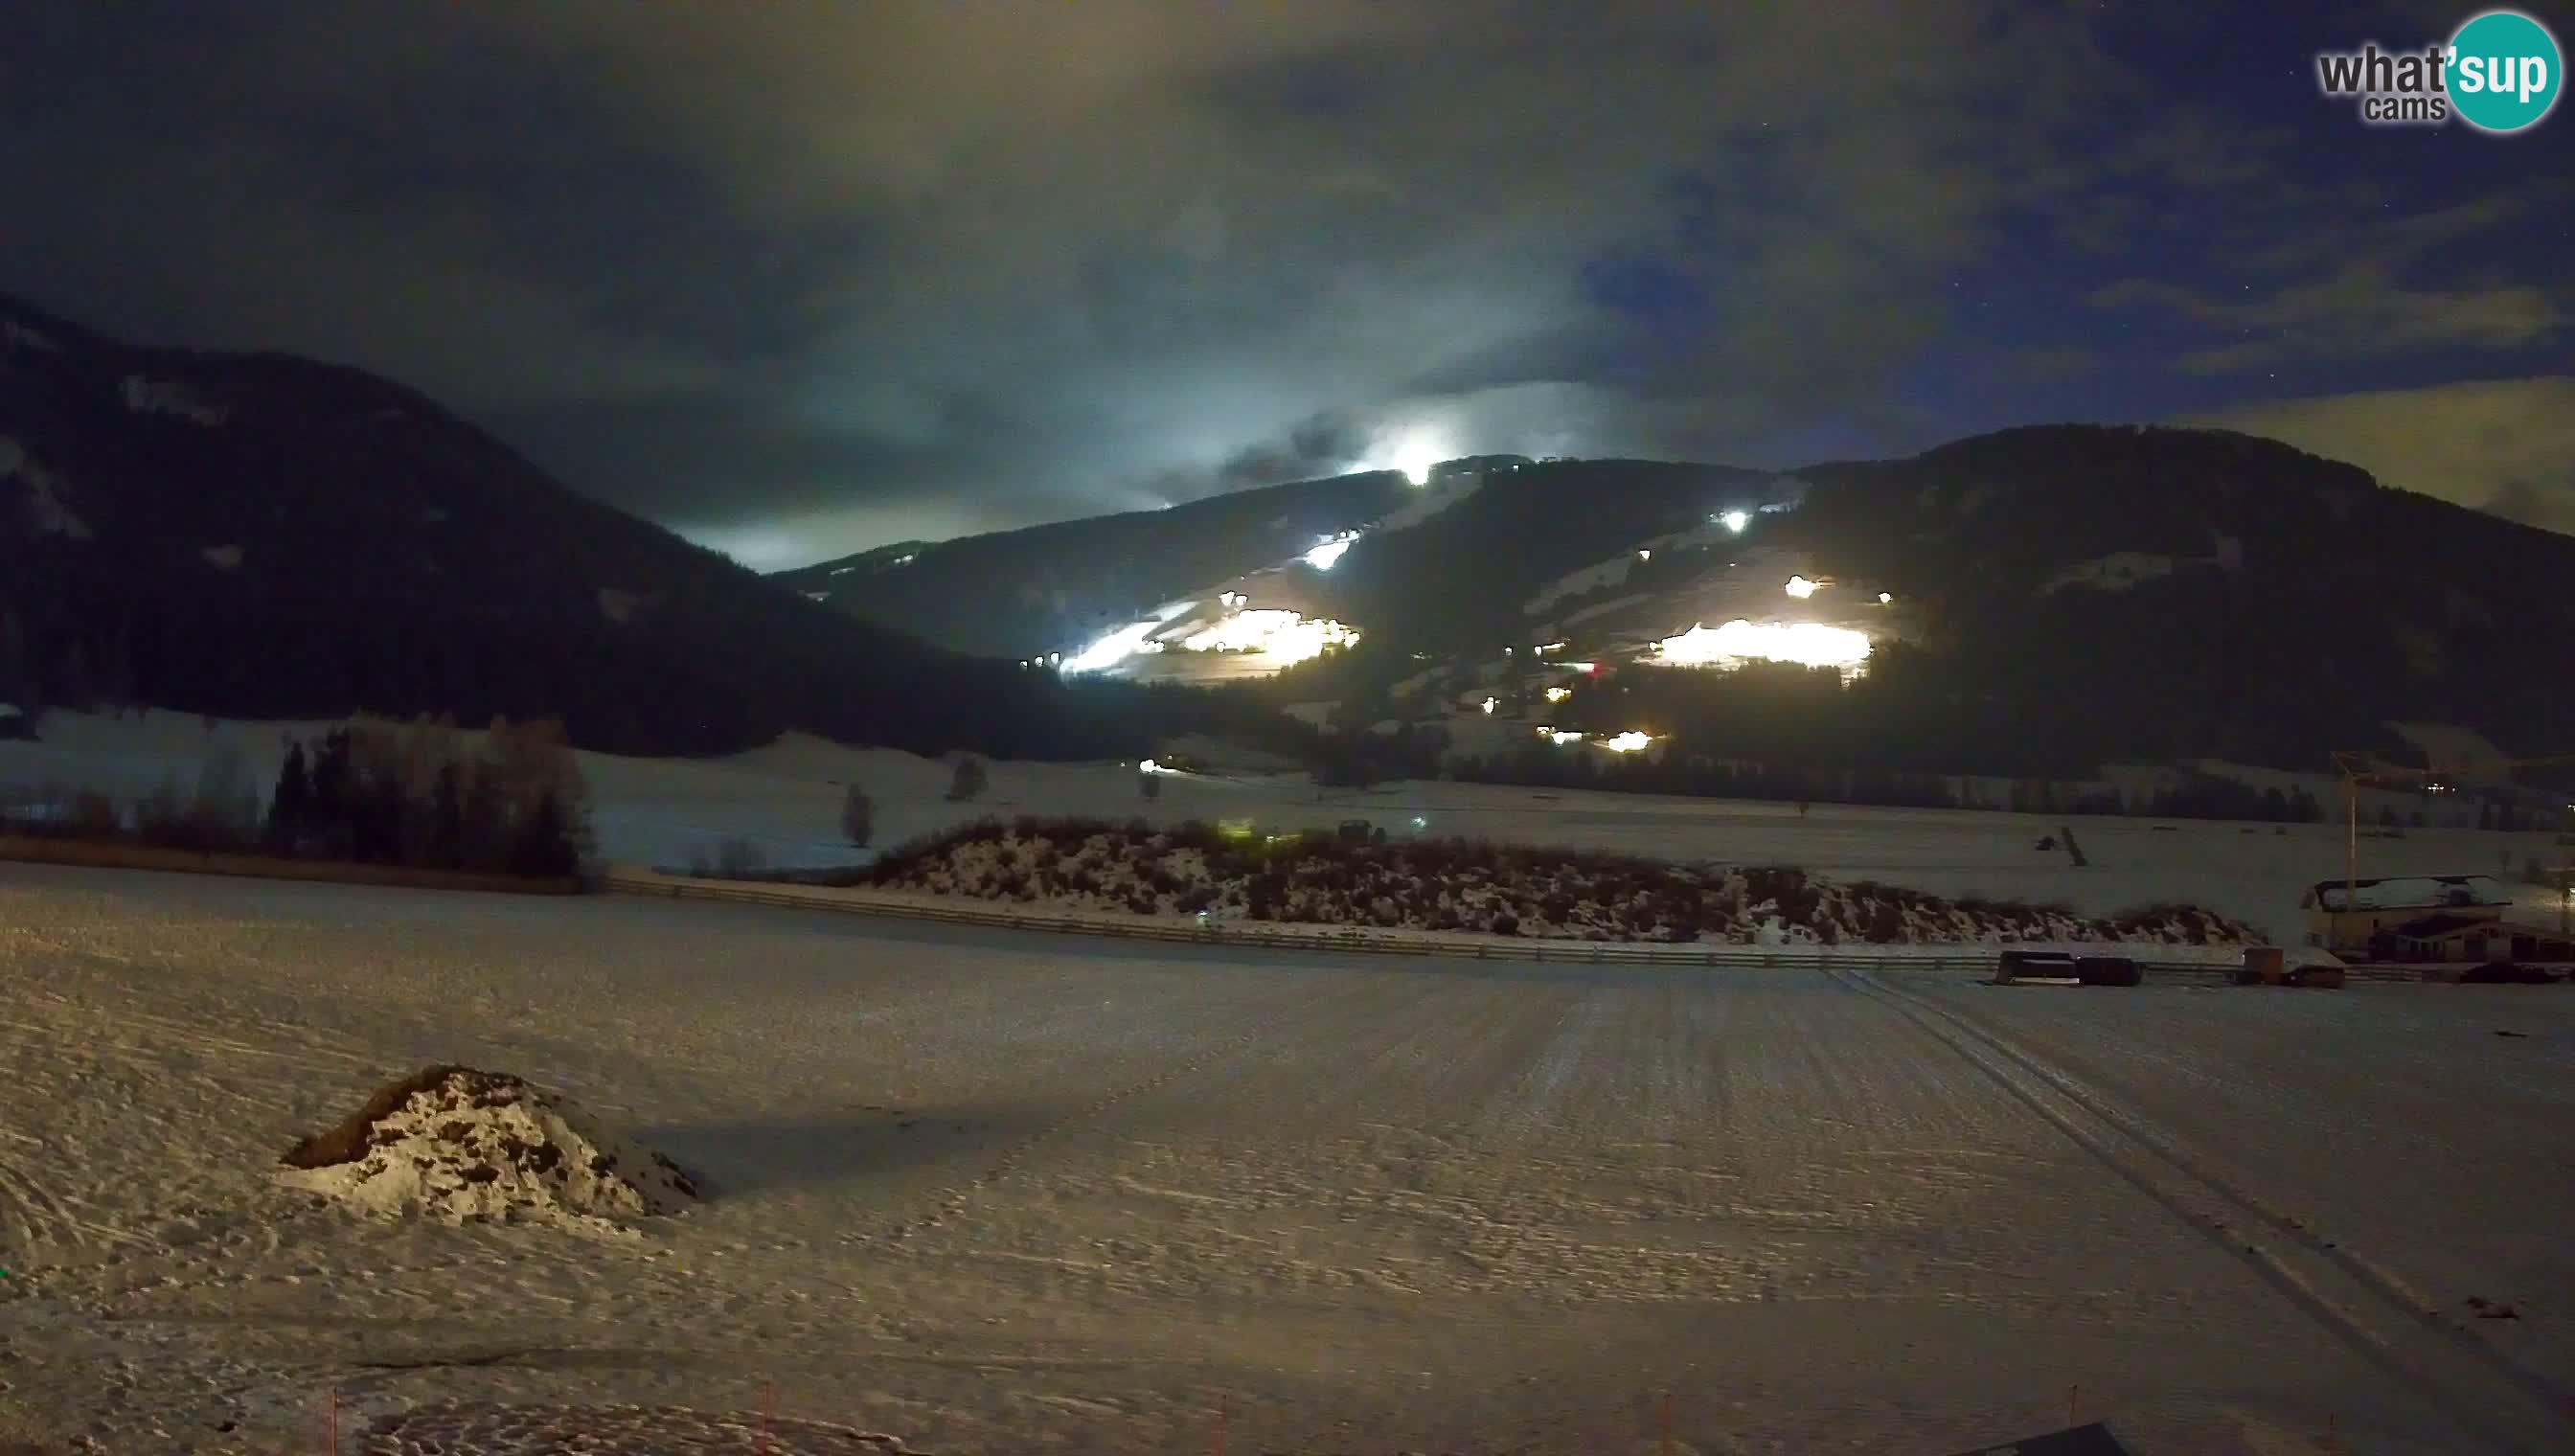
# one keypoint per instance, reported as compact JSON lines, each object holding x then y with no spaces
{"x":20,"y":336}
{"x":1977,"y":497}
{"x":1575,"y":583}
{"x":169,"y":397}
{"x":1430,"y":501}
{"x":486,"y":1145}
{"x":1604,"y":609}
{"x":45,"y":506}
{"x":619,"y":606}
{"x":2118,"y":571}
{"x":1407,"y":686}
{"x":223,"y":557}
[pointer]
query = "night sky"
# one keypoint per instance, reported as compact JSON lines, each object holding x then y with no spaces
{"x":801,"y":278}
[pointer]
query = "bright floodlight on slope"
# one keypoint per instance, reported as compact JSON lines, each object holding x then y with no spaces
{"x":1801,"y":586}
{"x":1811,"y":643}
{"x":1626,"y":743}
{"x":1885,"y":597}
{"x":1734,"y":521}
{"x":1327,"y":553}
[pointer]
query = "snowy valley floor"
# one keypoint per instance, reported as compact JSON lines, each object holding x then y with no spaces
{"x":995,"y":1193}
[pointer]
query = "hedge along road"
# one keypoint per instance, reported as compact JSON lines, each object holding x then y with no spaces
{"x":995,"y":1188}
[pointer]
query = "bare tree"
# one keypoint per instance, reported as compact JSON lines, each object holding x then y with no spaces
{"x":857,"y":816}
{"x":970,"y":781}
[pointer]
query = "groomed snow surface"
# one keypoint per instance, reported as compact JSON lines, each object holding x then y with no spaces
{"x":994,"y":1193}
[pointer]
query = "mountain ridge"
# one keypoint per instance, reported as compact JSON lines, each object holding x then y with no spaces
{"x":2122,"y":591}
{"x":269,"y":537}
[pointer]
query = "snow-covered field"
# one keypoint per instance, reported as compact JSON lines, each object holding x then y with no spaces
{"x":997,"y":1193}
{"x":785,"y":797}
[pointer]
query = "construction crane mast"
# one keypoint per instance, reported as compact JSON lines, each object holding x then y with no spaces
{"x":2360,"y":767}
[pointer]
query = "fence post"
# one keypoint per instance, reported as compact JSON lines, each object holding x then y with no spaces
{"x":1666,"y":1423}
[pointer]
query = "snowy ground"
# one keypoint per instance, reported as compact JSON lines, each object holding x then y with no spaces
{"x":785,"y":797}
{"x":997,"y":1193}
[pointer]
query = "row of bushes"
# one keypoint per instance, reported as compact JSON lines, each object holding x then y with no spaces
{"x":1469,"y":884}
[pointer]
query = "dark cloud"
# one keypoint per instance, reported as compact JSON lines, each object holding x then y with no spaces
{"x":802,"y":276}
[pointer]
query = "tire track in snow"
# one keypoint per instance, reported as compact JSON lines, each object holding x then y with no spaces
{"x":2352,"y":1297}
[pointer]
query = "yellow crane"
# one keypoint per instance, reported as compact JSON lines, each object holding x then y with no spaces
{"x":2360,"y":767}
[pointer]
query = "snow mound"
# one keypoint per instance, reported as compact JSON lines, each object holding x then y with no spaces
{"x":459,"y":1144}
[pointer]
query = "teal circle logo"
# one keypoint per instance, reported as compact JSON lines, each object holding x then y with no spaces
{"x":2504,"y":72}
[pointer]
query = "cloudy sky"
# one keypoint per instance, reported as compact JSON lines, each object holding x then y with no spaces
{"x":800,"y":277}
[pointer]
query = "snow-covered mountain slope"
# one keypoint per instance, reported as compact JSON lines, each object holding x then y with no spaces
{"x":2224,"y":585}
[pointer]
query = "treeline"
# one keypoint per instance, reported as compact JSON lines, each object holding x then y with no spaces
{"x":508,"y":800}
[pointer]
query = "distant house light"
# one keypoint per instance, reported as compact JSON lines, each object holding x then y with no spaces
{"x":1885,"y":597}
{"x":1490,"y":704}
{"x":1644,"y":554}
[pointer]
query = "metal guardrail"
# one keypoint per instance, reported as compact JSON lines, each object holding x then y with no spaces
{"x":1379,"y":943}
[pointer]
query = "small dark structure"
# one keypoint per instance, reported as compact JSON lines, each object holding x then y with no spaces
{"x":1356,"y":832}
{"x":15,"y":724}
{"x":2507,"y":973}
{"x":2108,"y":970}
{"x":2065,"y":967}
